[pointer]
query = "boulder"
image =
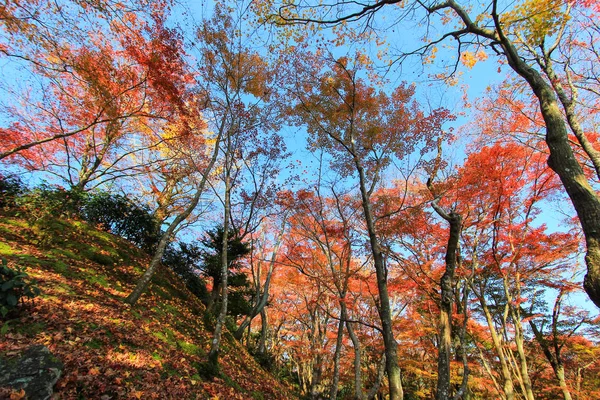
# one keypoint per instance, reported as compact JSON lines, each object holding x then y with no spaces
{"x":35,"y":371}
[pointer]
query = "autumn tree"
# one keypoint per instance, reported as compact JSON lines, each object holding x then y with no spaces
{"x":527,"y":37}
{"x":560,"y":328}
{"x":510,"y":257}
{"x":363,"y":130}
{"x":448,"y":289}
{"x":239,"y":94}
{"x":266,"y":243}
{"x":322,"y":230}
{"x":199,"y":165}
{"x":102,"y":84}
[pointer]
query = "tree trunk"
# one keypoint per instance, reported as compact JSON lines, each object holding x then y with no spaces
{"x":262,"y":300}
{"x":384,"y":309}
{"x":447,"y":296}
{"x":262,"y":342}
{"x":377,"y":384}
{"x":507,"y":386}
{"x":358,"y":388}
{"x":213,"y":297}
{"x":562,"y":161}
{"x":144,"y":281}
{"x":336,"y":359}
{"x":553,"y":359}
{"x":518,"y":332}
{"x":213,"y":355}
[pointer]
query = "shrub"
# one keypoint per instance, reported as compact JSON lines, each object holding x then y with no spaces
{"x":10,"y":189}
{"x":119,"y":215}
{"x":47,"y":201}
{"x":184,"y":262}
{"x":14,"y":288}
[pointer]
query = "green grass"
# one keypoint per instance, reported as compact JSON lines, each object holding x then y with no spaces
{"x":232,"y":383}
{"x":167,"y":336}
{"x":64,"y":253}
{"x":257,"y":396}
{"x":94,"y":344}
{"x":20,"y":223}
{"x":100,"y":279}
{"x":60,"y":268}
{"x":6,"y":250}
{"x":190,"y":348}
{"x":31,"y":329}
{"x":63,"y":288}
{"x":27,"y":259}
{"x":171,"y":310}
{"x":98,"y":258}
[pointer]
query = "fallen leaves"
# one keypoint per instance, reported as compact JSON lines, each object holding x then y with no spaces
{"x":111,"y":351}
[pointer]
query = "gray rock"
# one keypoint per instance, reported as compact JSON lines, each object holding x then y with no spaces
{"x":35,"y":371}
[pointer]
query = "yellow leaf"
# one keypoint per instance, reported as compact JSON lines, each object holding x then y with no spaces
{"x":468,"y":59}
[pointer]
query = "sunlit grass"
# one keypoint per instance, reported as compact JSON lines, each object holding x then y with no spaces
{"x":6,"y":250}
{"x":105,"y":345}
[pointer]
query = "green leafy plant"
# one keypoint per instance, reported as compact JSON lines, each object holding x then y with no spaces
{"x":14,"y":288}
{"x":123,"y":217}
{"x":10,"y":189}
{"x":46,"y":202}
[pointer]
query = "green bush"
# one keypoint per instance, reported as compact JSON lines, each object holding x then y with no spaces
{"x":10,"y":189}
{"x":49,"y":202}
{"x":14,"y":288}
{"x":119,"y":215}
{"x":184,"y":262}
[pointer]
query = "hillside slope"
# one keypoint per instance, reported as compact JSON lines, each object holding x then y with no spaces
{"x":111,"y":351}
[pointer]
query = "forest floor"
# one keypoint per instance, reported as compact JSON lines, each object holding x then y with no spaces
{"x":154,"y":350}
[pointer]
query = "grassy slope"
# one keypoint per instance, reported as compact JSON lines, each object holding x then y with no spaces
{"x":110,"y":350}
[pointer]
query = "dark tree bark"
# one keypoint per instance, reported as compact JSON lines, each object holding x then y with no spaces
{"x":384,"y":308}
{"x":447,"y":286}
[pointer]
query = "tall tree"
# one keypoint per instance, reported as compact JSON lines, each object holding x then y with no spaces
{"x":364,"y":131}
{"x":448,"y":287}
{"x":96,"y":93}
{"x":239,"y":94}
{"x":525,"y":37}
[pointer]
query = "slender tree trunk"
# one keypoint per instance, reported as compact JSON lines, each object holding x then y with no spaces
{"x":560,"y":375}
{"x":488,"y":369}
{"x":213,"y":297}
{"x":519,"y":339}
{"x":553,"y":359}
{"x":461,"y":346}
{"x":317,"y":375}
{"x":213,"y":355}
{"x":377,"y":384}
{"x":384,"y":309}
{"x":262,"y":342}
{"x":447,"y":286}
{"x":507,"y":386}
{"x":358,"y":387}
{"x":447,"y":296}
{"x":336,"y":359}
{"x":262,"y":300}
{"x":144,"y":281}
